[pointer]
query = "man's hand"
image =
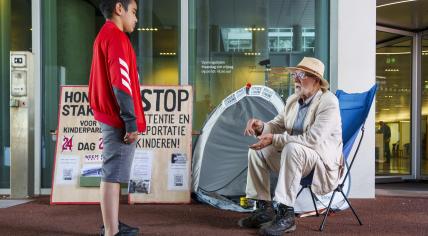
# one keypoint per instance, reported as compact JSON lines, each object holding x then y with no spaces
{"x":130,"y":137}
{"x":264,"y":141}
{"x":254,"y":127}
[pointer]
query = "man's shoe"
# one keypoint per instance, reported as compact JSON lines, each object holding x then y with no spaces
{"x":263,"y":214}
{"x":124,"y":229}
{"x":283,"y":222}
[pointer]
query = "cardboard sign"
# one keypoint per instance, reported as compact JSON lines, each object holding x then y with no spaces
{"x":162,"y":163}
{"x":161,"y":168}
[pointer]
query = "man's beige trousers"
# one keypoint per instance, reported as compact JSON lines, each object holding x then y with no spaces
{"x":293,"y":162}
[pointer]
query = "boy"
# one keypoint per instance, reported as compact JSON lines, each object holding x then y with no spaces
{"x":114,"y":94}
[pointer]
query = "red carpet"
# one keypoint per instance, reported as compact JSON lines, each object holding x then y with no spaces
{"x":381,"y":216}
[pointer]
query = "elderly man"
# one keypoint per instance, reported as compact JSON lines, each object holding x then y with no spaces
{"x":306,"y":136}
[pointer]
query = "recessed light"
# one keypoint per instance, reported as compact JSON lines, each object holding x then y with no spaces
{"x":394,"y":3}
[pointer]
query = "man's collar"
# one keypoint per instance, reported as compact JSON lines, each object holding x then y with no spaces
{"x":309,"y":100}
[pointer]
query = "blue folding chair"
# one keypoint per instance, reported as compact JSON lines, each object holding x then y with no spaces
{"x":354,"y":109}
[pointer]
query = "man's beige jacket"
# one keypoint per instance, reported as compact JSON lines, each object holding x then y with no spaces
{"x":322,"y":132}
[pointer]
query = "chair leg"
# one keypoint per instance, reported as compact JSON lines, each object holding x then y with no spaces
{"x":328,"y":211}
{"x":350,"y":206}
{"x":313,"y":201}
{"x":300,"y":191}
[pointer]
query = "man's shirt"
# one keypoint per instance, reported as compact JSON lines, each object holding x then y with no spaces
{"x":301,"y":115}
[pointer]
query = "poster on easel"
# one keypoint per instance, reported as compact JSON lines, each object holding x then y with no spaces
{"x":162,"y":159}
{"x":77,"y":164}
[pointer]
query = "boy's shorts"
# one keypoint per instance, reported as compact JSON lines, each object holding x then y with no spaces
{"x":117,"y":156}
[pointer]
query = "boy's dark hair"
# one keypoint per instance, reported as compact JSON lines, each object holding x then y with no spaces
{"x":107,"y":6}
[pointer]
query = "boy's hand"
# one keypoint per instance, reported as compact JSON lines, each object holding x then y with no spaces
{"x":130,"y":137}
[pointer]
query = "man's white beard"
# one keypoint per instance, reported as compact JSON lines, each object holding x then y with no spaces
{"x":300,"y":91}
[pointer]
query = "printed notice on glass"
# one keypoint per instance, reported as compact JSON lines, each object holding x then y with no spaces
{"x":67,"y":170}
{"x":177,"y":174}
{"x":141,"y":172}
{"x":215,"y":67}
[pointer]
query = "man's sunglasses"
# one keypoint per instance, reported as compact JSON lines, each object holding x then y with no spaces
{"x":298,"y":75}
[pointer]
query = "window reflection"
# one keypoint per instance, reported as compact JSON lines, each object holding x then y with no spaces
{"x":156,"y":41}
{"x":280,"y":39}
{"x":255,"y":39}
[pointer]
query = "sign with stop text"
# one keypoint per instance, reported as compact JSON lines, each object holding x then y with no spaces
{"x":161,"y":168}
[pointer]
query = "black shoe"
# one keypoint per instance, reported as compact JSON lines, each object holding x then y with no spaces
{"x":124,"y":229}
{"x":284,"y":222}
{"x":263,"y":214}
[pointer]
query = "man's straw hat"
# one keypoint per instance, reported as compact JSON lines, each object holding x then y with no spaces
{"x":314,"y":67}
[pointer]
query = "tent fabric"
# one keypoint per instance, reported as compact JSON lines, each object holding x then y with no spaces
{"x":227,"y":139}
{"x":216,"y":200}
{"x":220,"y":155}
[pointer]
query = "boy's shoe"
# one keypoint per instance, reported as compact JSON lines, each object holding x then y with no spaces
{"x":124,"y":229}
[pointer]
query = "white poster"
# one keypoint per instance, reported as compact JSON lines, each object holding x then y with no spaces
{"x":141,"y":172}
{"x":67,"y":173}
{"x":177,"y":173}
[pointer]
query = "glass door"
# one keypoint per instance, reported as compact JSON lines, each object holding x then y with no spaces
{"x":424,"y":103}
{"x":69,"y":30}
{"x":393,"y":104}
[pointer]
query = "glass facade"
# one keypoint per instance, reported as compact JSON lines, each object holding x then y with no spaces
{"x":230,"y":43}
{"x":251,"y":41}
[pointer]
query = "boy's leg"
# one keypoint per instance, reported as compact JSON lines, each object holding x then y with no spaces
{"x":115,"y":170}
{"x":117,"y":162}
{"x":110,"y":207}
